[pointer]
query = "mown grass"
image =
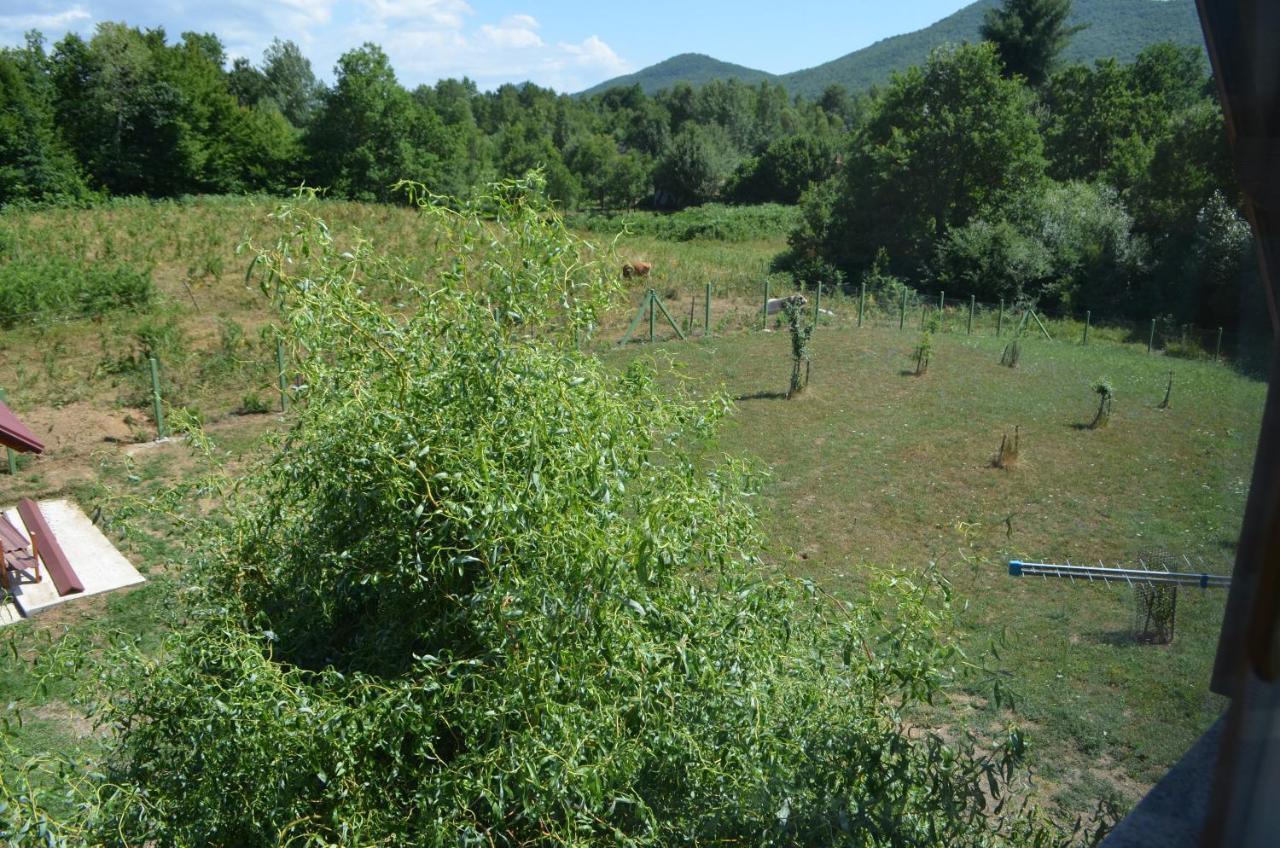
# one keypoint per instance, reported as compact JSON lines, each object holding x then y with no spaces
{"x":872,"y":466}
{"x":869,"y":466}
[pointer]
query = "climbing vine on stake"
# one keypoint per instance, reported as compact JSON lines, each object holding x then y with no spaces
{"x":1105,"y":394}
{"x":801,"y":331}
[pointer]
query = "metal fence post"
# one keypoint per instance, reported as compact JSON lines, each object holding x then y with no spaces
{"x":1217,"y":350}
{"x":1151,"y":340}
{"x":1000,"y":320}
{"x":817,"y":305}
{"x":764,"y":308}
{"x":924,"y":308}
{"x":902,"y":311}
{"x":284,"y":383}
{"x":706,"y":314}
{"x":156,"y":401}
{"x":1088,"y":319}
{"x":13,"y":457}
{"x":653,"y":308}
{"x":862,"y":301}
{"x":942,"y":310}
{"x":972,"y":302}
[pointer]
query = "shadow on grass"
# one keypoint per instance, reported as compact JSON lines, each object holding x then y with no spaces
{"x":1126,"y":638}
{"x":762,"y":396}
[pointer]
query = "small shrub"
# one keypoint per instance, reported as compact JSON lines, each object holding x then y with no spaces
{"x":252,"y":404}
{"x":1007,"y":456}
{"x":1012,"y":354}
{"x":924,"y":348}
{"x":1105,"y":394}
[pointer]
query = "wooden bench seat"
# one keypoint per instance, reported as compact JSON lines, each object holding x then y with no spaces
{"x":47,"y":550}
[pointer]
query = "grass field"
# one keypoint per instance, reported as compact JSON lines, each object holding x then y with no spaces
{"x":874,"y":467}
{"x":869,"y":468}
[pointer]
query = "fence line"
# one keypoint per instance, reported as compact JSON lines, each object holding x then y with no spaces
{"x":892,"y":309}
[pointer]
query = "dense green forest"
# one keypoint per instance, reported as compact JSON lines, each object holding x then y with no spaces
{"x":1106,"y":187}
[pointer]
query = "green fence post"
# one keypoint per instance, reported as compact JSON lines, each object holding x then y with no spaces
{"x":764,"y":308}
{"x":817,"y":305}
{"x":972,"y":302}
{"x":1000,"y":320}
{"x":706,"y":313}
{"x":1217,"y":350}
{"x":156,"y":401}
{"x":653,"y":308}
{"x":862,"y":301}
{"x":902,"y":311}
{"x":942,"y":310}
{"x":1088,"y":319}
{"x":1151,"y":340}
{"x":284,"y":383}
{"x":13,"y":457}
{"x":924,"y":308}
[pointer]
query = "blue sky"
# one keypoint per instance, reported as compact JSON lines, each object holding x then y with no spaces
{"x":568,"y":45}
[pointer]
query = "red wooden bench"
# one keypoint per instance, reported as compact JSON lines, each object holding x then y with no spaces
{"x":47,"y":550}
{"x":13,"y":547}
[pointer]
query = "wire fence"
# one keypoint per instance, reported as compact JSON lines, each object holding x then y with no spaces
{"x":699,"y":313}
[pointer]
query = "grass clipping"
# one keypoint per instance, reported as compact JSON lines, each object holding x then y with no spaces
{"x":482,"y":594}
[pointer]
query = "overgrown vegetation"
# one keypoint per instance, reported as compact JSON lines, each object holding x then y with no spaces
{"x":40,"y":289}
{"x":481,"y":591}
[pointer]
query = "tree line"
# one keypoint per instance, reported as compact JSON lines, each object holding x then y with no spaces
{"x":991,"y":171}
{"x":994,"y":172}
{"x":128,"y":113}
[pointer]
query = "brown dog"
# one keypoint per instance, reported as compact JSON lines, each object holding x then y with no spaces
{"x":636,"y":269}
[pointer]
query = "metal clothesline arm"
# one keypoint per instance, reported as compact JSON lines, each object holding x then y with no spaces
{"x":1130,"y":575}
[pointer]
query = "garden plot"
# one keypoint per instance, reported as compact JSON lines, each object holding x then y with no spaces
{"x":100,"y":567}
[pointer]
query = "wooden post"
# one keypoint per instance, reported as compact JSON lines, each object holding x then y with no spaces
{"x":1217,"y":350}
{"x":902,"y":311}
{"x":1151,"y":339}
{"x":156,"y":401}
{"x":1088,"y":319}
{"x":862,"y":301}
{"x":284,"y":383}
{"x":653,"y":307}
{"x":13,"y":458}
{"x":764,"y":308}
{"x":972,"y":302}
{"x":706,"y":313}
{"x":1000,"y":320}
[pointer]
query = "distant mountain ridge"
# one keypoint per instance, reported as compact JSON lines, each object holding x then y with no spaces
{"x":1119,"y":28}
{"x":693,"y":68}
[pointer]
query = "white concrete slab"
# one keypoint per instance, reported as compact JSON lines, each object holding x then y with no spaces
{"x":100,"y":567}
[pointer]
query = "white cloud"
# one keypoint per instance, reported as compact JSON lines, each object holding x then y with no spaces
{"x":594,"y":53}
{"x":52,"y":21}
{"x":513,"y":32}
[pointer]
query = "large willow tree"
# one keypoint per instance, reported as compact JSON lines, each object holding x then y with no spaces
{"x":484,"y":593}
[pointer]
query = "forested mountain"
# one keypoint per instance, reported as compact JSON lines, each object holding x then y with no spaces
{"x":693,"y":68}
{"x":1113,"y":28}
